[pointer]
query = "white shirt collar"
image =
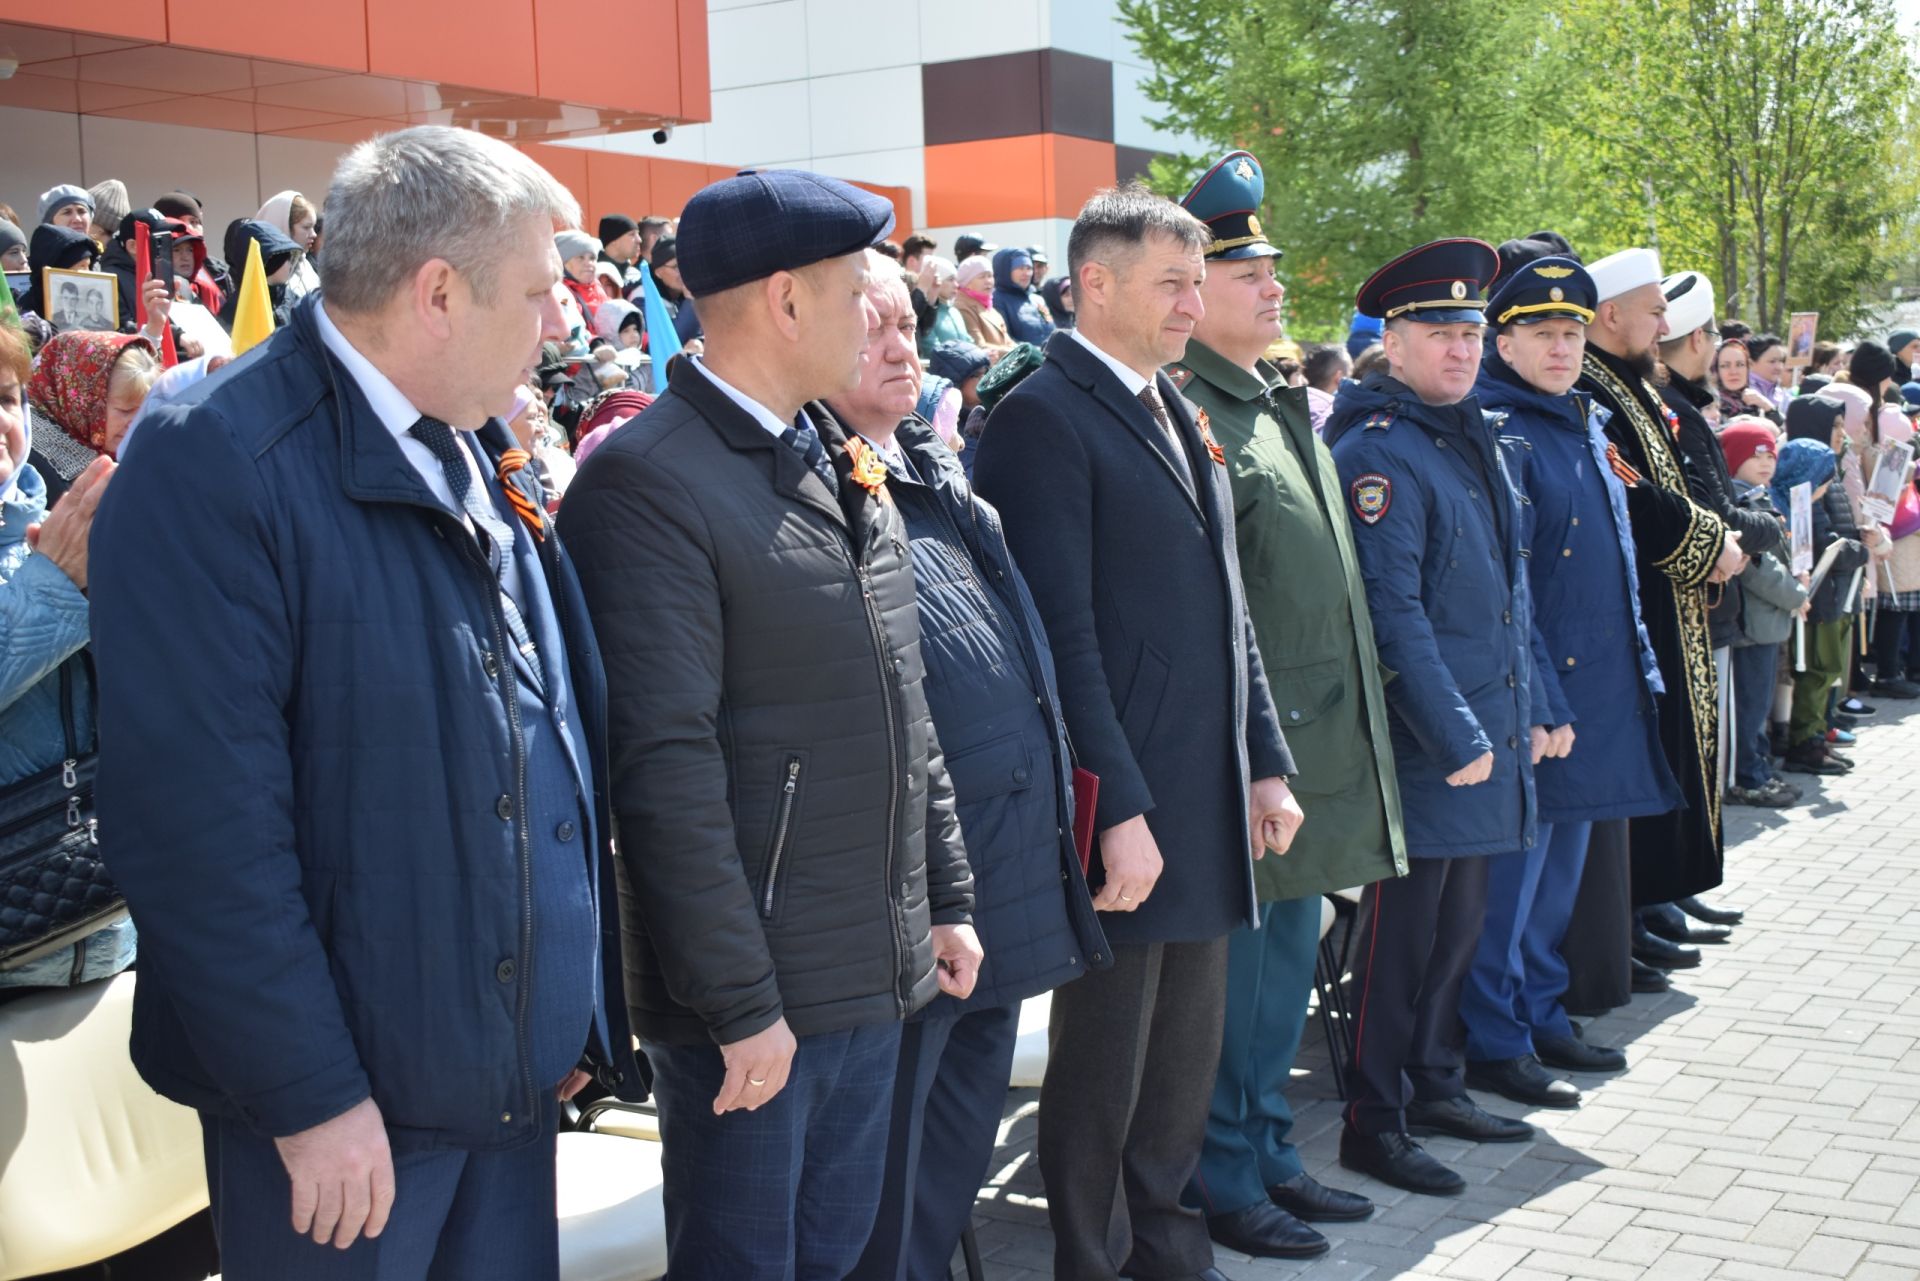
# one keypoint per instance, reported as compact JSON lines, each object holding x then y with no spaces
{"x":761,"y":414}
{"x":1129,"y":379}
{"x":389,"y":403}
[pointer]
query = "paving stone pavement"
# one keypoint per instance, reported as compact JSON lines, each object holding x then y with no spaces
{"x":1765,"y":1130}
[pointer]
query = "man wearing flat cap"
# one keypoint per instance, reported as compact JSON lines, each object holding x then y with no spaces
{"x":1440,"y":528}
{"x":1600,"y":680}
{"x":795,"y":881}
{"x":1679,"y":548}
{"x":1309,"y":611}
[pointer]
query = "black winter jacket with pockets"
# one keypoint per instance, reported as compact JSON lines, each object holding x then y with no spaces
{"x":785,"y":824}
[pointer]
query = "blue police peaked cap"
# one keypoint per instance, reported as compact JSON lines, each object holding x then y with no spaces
{"x":758,"y":222}
{"x":1544,"y":289}
{"x":1439,"y":283}
{"x":1227,"y":198}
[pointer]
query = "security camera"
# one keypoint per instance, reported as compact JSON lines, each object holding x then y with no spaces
{"x":8,"y":65}
{"x":661,"y":134}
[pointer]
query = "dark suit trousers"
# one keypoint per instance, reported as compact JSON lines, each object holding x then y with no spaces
{"x":457,"y":1216}
{"x":1123,"y":1111}
{"x":947,"y":1103}
{"x":1599,"y":946}
{"x":1417,"y":939}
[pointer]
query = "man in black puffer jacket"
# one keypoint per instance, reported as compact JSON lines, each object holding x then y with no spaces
{"x":991,"y":689}
{"x":795,"y":882}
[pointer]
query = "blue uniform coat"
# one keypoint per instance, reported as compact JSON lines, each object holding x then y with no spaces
{"x":1598,"y":668}
{"x":1440,"y":530}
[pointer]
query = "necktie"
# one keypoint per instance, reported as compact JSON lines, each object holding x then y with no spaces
{"x":495,"y":535}
{"x":803,"y":440}
{"x":1150,"y":397}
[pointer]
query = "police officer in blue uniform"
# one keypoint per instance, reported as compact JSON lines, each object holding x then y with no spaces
{"x":1440,"y":528}
{"x":1597,"y":667}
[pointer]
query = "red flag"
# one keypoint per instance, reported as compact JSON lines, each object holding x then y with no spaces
{"x":142,"y":271}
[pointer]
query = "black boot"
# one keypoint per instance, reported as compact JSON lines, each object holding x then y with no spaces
{"x":1524,"y":1081}
{"x":1650,"y":949}
{"x":1670,"y":923}
{"x":1706,"y":912}
{"x":1398,"y":1161}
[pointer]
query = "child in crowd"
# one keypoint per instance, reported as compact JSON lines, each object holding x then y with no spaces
{"x":1773,"y":597}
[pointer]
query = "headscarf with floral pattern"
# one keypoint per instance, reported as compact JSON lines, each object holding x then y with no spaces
{"x":69,"y":383}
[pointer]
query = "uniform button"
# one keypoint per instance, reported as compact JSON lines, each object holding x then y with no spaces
{"x":1506,"y":616}
{"x":1453,"y":564}
{"x":490,"y":665}
{"x":1576,"y":520}
{"x":1569,"y":662}
{"x":504,"y":806}
{"x":1512,"y":683}
{"x":506,"y":1118}
{"x":1293,"y":715}
{"x":1473,"y":493}
{"x":504,"y":971}
{"x":1512,"y":741}
{"x":1020,"y":775}
{"x":565,"y":830}
{"x":1440,"y":444}
{"x":1566,"y":551}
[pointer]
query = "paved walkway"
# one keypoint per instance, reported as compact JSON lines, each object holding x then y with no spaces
{"x":1765,"y":1131}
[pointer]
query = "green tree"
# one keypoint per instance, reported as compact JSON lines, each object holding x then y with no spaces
{"x":1765,"y":141}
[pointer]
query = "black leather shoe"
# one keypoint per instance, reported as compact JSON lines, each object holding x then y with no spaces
{"x":1707,"y":912}
{"x":1266,"y":1231}
{"x":1650,"y":949}
{"x":1524,"y":1081}
{"x":1464,"y":1119}
{"x":1306,"y":1198}
{"x":1572,"y":1054}
{"x":1646,"y":979}
{"x":1894,"y":688}
{"x":1398,"y":1161}
{"x":1671,"y":924}
{"x":1205,"y":1274}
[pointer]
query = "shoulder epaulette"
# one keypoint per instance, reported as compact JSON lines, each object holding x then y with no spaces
{"x":1378,"y":422}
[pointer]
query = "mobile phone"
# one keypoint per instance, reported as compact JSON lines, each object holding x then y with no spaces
{"x":162,"y":263}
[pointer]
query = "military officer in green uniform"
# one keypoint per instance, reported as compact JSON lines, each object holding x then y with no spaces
{"x":1310,"y":617}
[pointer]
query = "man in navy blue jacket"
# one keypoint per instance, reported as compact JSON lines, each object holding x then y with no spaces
{"x":352,"y":776}
{"x":991,"y":691}
{"x":1440,"y":529}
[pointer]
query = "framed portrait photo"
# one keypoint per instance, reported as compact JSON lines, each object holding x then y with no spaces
{"x":81,"y":299}
{"x":1801,"y":329}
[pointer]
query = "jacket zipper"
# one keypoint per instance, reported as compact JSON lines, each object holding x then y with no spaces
{"x":895,"y":908}
{"x":780,"y":827}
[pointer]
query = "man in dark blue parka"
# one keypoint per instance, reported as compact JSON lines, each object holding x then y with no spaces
{"x":352,"y":770}
{"x":990,"y":688}
{"x":1439,"y":524}
{"x":1598,"y":669}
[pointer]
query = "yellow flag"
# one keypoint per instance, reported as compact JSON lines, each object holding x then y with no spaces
{"x":253,"y":315}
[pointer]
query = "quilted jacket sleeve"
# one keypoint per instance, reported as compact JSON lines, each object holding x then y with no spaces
{"x":43,"y":623}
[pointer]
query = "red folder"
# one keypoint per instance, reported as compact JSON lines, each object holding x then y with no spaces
{"x":1086,"y":792}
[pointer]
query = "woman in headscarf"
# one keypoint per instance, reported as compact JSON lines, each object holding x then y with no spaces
{"x":43,"y":634}
{"x":86,"y":389}
{"x":1732,"y":386}
{"x":293,"y":216}
{"x":944,"y":287}
{"x":604,"y":417}
{"x":1058,"y":291}
{"x":985,"y":328}
{"x":277,"y":253}
{"x":61,"y":248}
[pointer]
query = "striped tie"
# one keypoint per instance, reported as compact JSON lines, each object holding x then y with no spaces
{"x":495,"y":535}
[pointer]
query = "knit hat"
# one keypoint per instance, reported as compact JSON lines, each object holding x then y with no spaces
{"x":1746,"y":437}
{"x":1813,"y":418}
{"x":573,"y":242}
{"x":60,"y":197}
{"x":11,"y":237}
{"x":665,"y":250}
{"x":615,"y":225}
{"x":1910,"y":394}
{"x":1869,"y":366}
{"x":971,"y":270}
{"x":1899,"y":338}
{"x":958,"y":361}
{"x":180,"y":204}
{"x":1802,"y":462}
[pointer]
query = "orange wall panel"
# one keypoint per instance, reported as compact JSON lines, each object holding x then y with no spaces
{"x":902,"y":200}
{"x":131,"y":19}
{"x":696,"y":101}
{"x":618,"y":183}
{"x":485,"y":44}
{"x":568,"y":165}
{"x":674,"y":182}
{"x":572,"y":41}
{"x":1075,"y":169}
{"x":329,"y":33}
{"x":993,"y":180}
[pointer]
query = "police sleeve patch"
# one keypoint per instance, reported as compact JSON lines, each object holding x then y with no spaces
{"x":1372,"y":495}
